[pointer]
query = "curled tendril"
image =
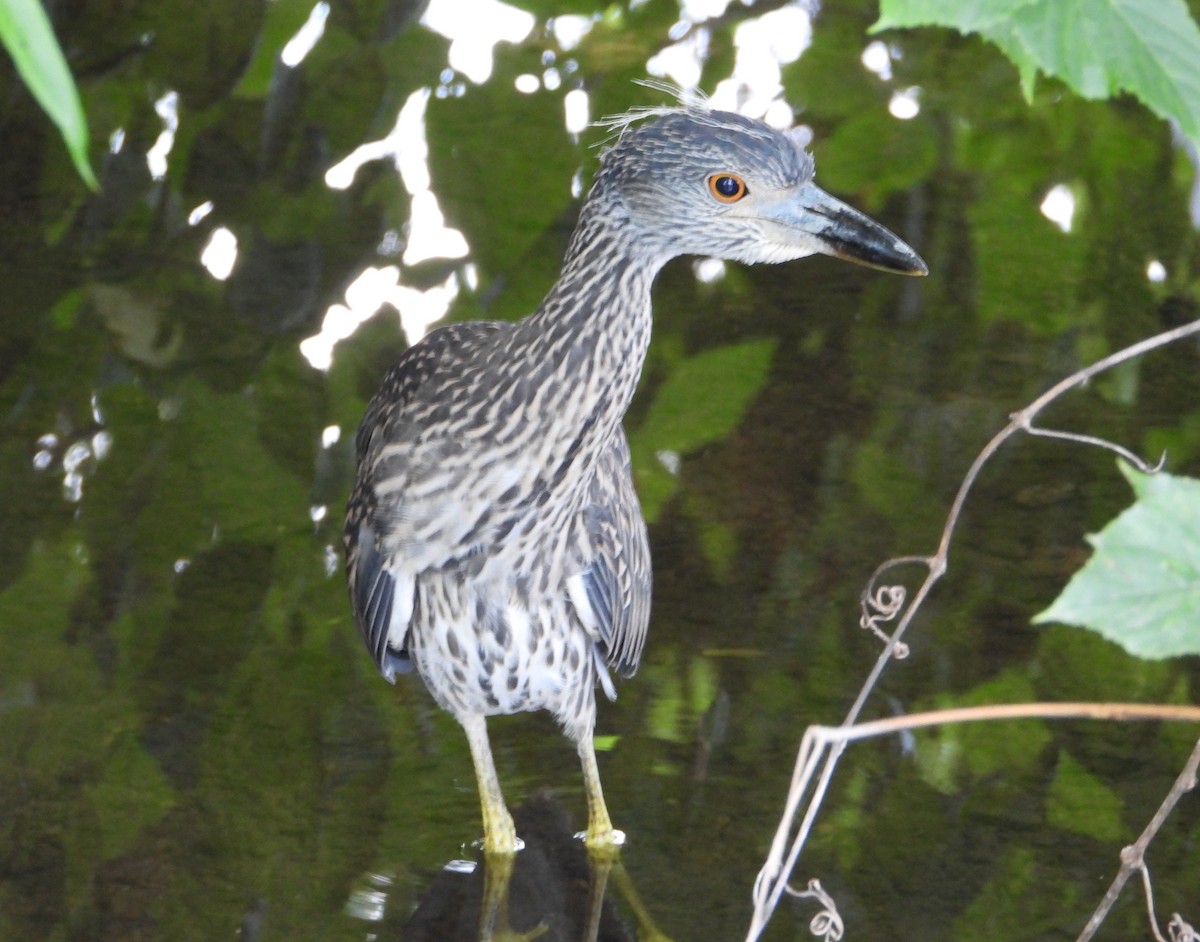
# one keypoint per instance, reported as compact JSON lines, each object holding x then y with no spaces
{"x":881,"y":605}
{"x":827,"y":924}
{"x":1181,"y":931}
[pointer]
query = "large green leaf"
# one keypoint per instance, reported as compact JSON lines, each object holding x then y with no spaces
{"x":1141,"y":588}
{"x":29,"y":38}
{"x":967,"y":16}
{"x":701,"y":402}
{"x":1148,"y":48}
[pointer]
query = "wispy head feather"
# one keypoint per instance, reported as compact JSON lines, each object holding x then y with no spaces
{"x":688,"y":101}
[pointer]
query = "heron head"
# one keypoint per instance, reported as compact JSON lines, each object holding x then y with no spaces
{"x":695,"y":181}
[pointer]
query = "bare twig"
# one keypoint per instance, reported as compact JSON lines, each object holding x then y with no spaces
{"x":992,"y":712}
{"x":1133,"y":860}
{"x":1120,"y":450}
{"x":814,"y":767}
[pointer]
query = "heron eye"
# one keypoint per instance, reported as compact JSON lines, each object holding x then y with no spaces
{"x":727,"y":187}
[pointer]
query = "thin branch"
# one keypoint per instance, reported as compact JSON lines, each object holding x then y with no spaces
{"x":1120,"y":450}
{"x":828,"y":743}
{"x":1148,"y":892}
{"x":1163,"y":712}
{"x":1024,"y":421}
{"x":1133,"y":857}
{"x":1020,"y":421}
{"x":878,"y":606}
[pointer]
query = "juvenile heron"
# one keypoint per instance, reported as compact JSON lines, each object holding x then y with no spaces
{"x":493,"y":537}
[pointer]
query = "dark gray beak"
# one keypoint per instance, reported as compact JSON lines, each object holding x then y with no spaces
{"x":842,"y":231}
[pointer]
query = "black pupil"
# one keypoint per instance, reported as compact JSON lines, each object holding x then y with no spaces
{"x":728,"y":186}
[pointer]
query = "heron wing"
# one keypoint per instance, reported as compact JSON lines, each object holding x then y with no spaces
{"x":396,"y":463}
{"x":616,"y":581}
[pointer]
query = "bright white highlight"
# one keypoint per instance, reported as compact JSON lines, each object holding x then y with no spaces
{"x":765,"y":45}
{"x":576,"y":110}
{"x":368,"y":905}
{"x":220,"y":254}
{"x":905,"y":103}
{"x":406,"y":145}
{"x":682,"y":62}
{"x":709,"y":270}
{"x":779,"y":114}
{"x":44,"y":458}
{"x":73,"y":469}
{"x":330,"y":435}
{"x":198,"y":214}
{"x":412,"y":159}
{"x":306,"y":37}
{"x":1059,"y":206}
{"x":569,"y":30}
{"x":102,"y":444}
{"x":700,"y":10}
{"x":167,"y":108}
{"x":877,"y":59}
{"x":474,"y":27}
{"x":373,"y":289}
{"x":1156,"y":271}
{"x":341,"y":174}
{"x":428,"y":237}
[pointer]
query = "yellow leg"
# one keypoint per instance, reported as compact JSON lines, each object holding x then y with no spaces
{"x":647,"y":930}
{"x":493,"y":912}
{"x":600,"y":833}
{"x":499,"y":835}
{"x":600,"y":864}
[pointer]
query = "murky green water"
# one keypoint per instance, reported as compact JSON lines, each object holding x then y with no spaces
{"x":193,"y":743}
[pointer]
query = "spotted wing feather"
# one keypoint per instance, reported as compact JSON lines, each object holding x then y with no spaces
{"x":617,"y":579}
{"x":392,"y":456}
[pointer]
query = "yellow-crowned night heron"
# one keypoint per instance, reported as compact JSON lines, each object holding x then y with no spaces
{"x":493,"y":538}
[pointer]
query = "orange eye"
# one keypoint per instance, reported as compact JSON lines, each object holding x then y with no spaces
{"x":727,"y":187}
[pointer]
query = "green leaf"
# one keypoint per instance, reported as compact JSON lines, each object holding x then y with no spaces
{"x":29,"y":38}
{"x":701,"y":402}
{"x":1141,"y":588}
{"x":681,"y":694}
{"x":961,"y":754}
{"x":132,"y":795}
{"x":1005,"y":36}
{"x":1148,"y":48}
{"x":1007,"y":906}
{"x":1080,"y":802}
{"x":966,"y":16}
{"x":875,"y":155}
{"x":281,"y":21}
